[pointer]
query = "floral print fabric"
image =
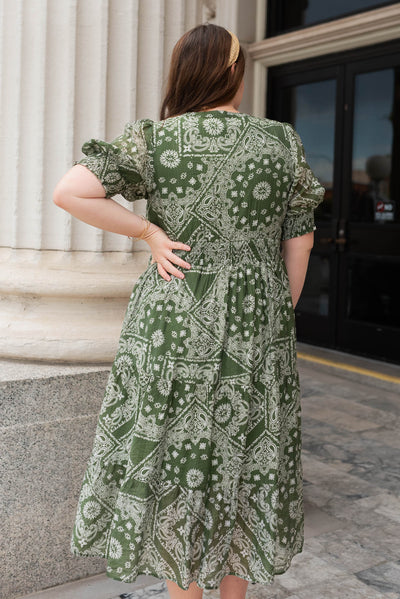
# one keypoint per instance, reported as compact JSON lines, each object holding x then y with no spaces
{"x":196,"y":471}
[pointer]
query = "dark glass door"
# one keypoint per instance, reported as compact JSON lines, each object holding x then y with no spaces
{"x":346,"y":109}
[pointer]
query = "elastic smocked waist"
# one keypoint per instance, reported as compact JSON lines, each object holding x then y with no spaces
{"x":216,"y":254}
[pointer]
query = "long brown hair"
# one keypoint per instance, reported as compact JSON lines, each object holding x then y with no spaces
{"x":199,"y":76}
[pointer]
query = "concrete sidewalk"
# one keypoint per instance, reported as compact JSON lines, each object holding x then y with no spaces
{"x":351,"y":457}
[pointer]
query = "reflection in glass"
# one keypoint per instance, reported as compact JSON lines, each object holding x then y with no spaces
{"x":374,"y":292}
{"x":375,"y":146}
{"x":298,"y":13}
{"x":315,"y":295}
{"x":311,"y":107}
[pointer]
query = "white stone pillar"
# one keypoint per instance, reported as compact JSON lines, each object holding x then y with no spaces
{"x":70,"y":71}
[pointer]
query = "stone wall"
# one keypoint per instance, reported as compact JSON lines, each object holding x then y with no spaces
{"x":48,"y":416}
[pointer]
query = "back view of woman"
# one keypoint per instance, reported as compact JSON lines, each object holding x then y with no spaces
{"x":195,"y":474}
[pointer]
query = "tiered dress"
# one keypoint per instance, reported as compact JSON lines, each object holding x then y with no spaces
{"x":196,"y":470}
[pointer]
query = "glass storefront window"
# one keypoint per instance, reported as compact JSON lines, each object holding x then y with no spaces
{"x":374,"y":181}
{"x":284,"y":15}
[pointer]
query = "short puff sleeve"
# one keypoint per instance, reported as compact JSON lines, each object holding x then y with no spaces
{"x":305,"y":193}
{"x":121,"y":164}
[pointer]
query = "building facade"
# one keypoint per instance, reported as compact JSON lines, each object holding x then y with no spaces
{"x":78,"y":69}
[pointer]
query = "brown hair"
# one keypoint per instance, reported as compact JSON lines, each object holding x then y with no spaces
{"x":199,"y":77}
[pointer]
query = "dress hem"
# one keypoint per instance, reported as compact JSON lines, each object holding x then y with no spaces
{"x":146,"y":572}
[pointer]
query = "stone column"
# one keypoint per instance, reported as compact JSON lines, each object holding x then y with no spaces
{"x":70,"y":71}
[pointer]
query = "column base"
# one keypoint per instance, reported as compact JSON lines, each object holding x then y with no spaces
{"x":65,"y":307}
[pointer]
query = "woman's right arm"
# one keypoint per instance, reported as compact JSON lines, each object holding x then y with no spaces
{"x":296,"y":254}
{"x":82,"y":194}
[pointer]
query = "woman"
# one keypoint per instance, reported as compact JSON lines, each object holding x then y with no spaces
{"x":195,"y":474}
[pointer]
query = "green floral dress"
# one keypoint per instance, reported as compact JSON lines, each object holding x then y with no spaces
{"x":196,"y":470}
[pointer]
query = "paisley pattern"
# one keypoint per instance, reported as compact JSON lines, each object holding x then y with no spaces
{"x":196,"y":471}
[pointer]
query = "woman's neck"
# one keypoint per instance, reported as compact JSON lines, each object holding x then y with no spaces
{"x":228,"y":108}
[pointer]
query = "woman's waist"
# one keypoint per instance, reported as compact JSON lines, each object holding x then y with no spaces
{"x":219,"y":253}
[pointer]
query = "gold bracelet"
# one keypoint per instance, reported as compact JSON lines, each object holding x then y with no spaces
{"x":148,"y":223}
{"x":145,"y":229}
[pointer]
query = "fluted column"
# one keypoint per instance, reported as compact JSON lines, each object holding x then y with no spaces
{"x":70,"y":71}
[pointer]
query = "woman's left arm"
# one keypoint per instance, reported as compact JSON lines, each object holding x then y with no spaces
{"x":296,"y":254}
{"x":81,"y":193}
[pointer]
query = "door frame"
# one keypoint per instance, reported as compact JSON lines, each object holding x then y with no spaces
{"x":335,"y":330}
{"x":355,"y":335}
